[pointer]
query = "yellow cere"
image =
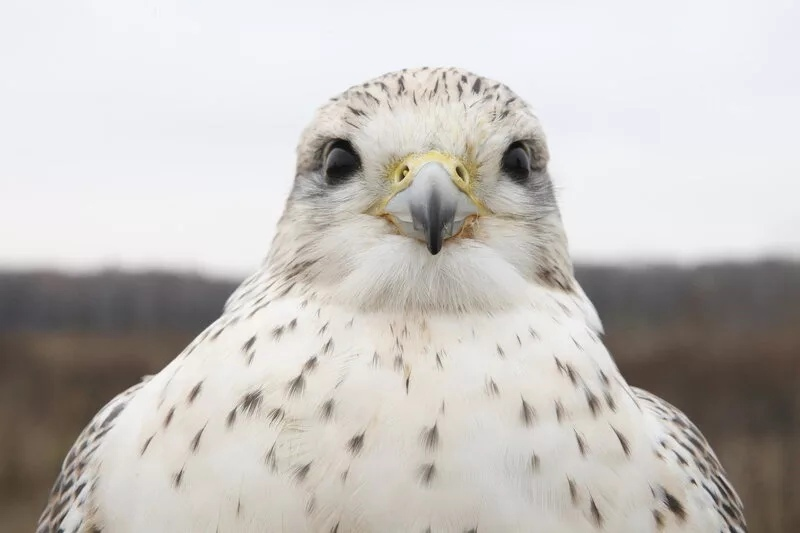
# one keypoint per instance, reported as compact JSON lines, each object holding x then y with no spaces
{"x":402,"y":174}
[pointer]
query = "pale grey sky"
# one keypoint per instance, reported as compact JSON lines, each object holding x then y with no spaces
{"x":162,"y":133}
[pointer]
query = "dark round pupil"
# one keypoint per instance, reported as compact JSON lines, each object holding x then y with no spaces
{"x":340,"y":163}
{"x":516,"y":162}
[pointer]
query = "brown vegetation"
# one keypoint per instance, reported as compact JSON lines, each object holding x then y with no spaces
{"x":720,"y":343}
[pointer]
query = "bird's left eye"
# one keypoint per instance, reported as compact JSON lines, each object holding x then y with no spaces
{"x":341,"y":161}
{"x":517,"y":162}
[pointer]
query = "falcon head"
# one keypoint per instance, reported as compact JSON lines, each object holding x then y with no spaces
{"x":423,"y":189}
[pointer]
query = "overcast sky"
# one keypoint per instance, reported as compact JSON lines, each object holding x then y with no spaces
{"x":162,"y":133}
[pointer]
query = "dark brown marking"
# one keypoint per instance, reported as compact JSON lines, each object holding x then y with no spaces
{"x":658,"y":516}
{"x":270,"y":459}
{"x":195,"y":391}
{"x":300,"y":472}
{"x":277,"y":333}
{"x":276,"y":415}
{"x":328,"y":346}
{"x":251,"y":402}
{"x":582,"y":447}
{"x":146,"y":444}
{"x":177,"y":478}
{"x":231,"y":418}
{"x":249,"y":344}
{"x":535,"y":462}
{"x":596,"y":516}
{"x":527,"y":413}
{"x":196,"y":440}
{"x":491,"y":388}
{"x":356,"y":443}
{"x":426,"y":473}
{"x":311,"y":363}
{"x":296,"y":386}
{"x":623,"y":441}
{"x":573,"y":491}
{"x":169,"y":416}
{"x":593,"y":402}
{"x":326,"y":411}
{"x":559,"y":410}
{"x":476,"y":87}
{"x":335,"y":529}
{"x":500,"y":351}
{"x":675,"y":506}
{"x":430,"y":437}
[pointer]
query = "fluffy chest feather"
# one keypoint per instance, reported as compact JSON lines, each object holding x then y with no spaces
{"x":307,"y":418}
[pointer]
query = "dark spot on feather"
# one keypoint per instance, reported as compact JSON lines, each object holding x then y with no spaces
{"x":196,"y":440}
{"x":231,"y":418}
{"x":114,"y":413}
{"x":326,"y":411}
{"x":675,"y":506}
{"x":356,"y":112}
{"x":476,"y":87}
{"x":270,"y":459}
{"x":659,"y":518}
{"x":356,"y":443}
{"x":169,"y":416}
{"x":430,"y":437}
{"x":593,"y":402}
{"x":195,"y":391}
{"x":573,"y":491}
{"x":535,"y":462}
{"x":328,"y":346}
{"x":276,"y":415}
{"x":527,"y":413}
{"x":335,"y":529}
{"x":251,"y":402}
{"x":177,"y":478}
{"x":596,"y":516}
{"x":623,"y":441}
{"x":427,"y":473}
{"x":491,"y":387}
{"x":500,"y":351}
{"x":146,"y":444}
{"x":249,"y":344}
{"x":559,"y":410}
{"x":277,"y":333}
{"x":311,"y":363}
{"x":581,"y":443}
{"x":300,"y":472}
{"x":297,"y":385}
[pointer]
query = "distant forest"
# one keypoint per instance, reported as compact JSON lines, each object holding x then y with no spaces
{"x":738,"y":295}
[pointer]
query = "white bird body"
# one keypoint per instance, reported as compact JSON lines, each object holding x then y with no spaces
{"x":313,"y":407}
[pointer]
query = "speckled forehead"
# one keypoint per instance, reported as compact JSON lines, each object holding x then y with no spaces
{"x":414,"y":109}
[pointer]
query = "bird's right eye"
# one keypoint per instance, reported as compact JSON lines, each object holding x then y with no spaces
{"x":341,"y":161}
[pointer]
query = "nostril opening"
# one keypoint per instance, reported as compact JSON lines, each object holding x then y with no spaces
{"x":461,"y":172}
{"x":402,"y":173}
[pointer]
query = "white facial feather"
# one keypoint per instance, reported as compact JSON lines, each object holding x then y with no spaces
{"x":359,"y":260}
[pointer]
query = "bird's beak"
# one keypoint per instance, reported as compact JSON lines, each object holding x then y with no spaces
{"x":432,"y":198}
